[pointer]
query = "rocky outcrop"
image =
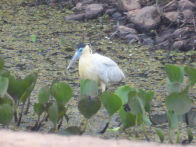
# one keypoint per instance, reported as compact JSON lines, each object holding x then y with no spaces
{"x":91,"y":11}
{"x":154,"y":25}
{"x":129,"y":5}
{"x":145,"y":18}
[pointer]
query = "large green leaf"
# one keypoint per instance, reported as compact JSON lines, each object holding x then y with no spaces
{"x":146,"y":98}
{"x":16,"y":87}
{"x":4,"y":73}
{"x":61,"y":111}
{"x":134,"y":103}
{"x":53,"y":113}
{"x":89,"y":106}
{"x":111,"y":102}
{"x":174,"y":87}
{"x":191,"y":72}
{"x":6,"y":114}
{"x":180,"y":103}
{"x":62,"y":92}
{"x":3,"y":85}
{"x":174,"y":73}
{"x":1,"y":63}
{"x":31,"y":81}
{"x":6,"y":100}
{"x":123,"y":92}
{"x":88,"y":88}
{"x":128,"y":119}
{"x":20,"y":89}
{"x":44,"y":95}
{"x":38,"y":108}
{"x":172,"y":120}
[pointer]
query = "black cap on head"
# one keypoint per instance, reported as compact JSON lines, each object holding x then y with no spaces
{"x":81,"y":45}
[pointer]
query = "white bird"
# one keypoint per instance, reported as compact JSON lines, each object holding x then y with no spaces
{"x":96,"y":67}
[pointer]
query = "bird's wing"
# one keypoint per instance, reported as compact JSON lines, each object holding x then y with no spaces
{"x":108,"y":70}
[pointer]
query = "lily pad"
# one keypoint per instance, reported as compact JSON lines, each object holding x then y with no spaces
{"x":3,"y":85}
{"x":191,"y":72}
{"x":6,"y":114}
{"x":62,"y":92}
{"x":174,"y":73}
{"x":88,"y":88}
{"x":180,"y":103}
{"x":20,"y":89}
{"x":53,"y":113}
{"x":89,"y":106}
{"x":31,"y":81}
{"x":1,"y":63}
{"x":134,"y":103}
{"x":111,"y":102}
{"x":146,"y":97}
{"x":128,"y":119}
{"x":123,"y":92}
{"x":44,"y":95}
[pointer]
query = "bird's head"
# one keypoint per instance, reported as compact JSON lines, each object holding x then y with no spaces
{"x":77,"y":54}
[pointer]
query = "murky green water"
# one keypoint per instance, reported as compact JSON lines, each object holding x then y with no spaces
{"x":56,"y":43}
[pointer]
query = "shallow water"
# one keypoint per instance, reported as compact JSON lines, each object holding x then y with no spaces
{"x":55,"y":45}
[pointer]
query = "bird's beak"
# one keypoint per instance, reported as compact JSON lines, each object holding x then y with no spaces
{"x":74,"y":58}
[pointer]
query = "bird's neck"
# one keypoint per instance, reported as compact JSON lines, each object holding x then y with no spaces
{"x":86,"y":51}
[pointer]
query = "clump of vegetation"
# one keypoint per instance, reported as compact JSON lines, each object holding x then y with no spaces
{"x":133,"y":105}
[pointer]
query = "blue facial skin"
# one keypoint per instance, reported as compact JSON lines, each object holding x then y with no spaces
{"x":77,"y":54}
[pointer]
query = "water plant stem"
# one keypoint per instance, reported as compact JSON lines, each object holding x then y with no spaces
{"x":21,"y":114}
{"x":144,"y":131}
{"x":27,"y":108}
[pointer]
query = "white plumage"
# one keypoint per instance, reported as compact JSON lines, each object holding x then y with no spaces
{"x":99,"y":68}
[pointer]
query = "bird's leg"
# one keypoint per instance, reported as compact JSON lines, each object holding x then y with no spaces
{"x":103,"y":87}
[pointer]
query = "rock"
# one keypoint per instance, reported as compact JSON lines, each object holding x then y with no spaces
{"x":148,"y":41}
{"x":178,"y":45}
{"x":129,"y":5}
{"x":117,"y":16}
{"x":79,"y":6}
{"x":93,"y":10}
{"x":186,"y":4}
{"x":132,"y":38}
{"x":159,"y":118}
{"x":145,"y":18}
{"x":163,"y":45}
{"x":164,"y":35}
{"x":75,"y":17}
{"x":123,"y":30}
{"x":172,"y":16}
{"x":171,"y":6}
{"x":110,"y":11}
{"x":180,"y":32}
{"x":188,"y":14}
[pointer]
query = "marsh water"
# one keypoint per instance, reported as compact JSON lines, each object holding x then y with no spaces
{"x":56,"y":41}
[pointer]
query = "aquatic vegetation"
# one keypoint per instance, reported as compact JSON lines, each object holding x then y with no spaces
{"x":132,"y":105}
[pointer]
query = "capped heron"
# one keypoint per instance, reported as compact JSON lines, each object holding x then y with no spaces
{"x":96,"y":67}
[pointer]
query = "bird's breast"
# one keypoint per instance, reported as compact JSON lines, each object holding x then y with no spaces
{"x":87,"y":70}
